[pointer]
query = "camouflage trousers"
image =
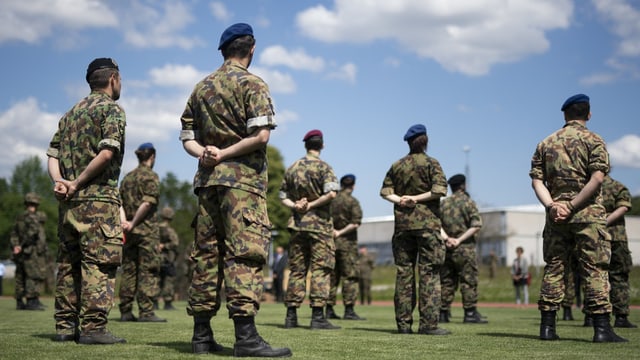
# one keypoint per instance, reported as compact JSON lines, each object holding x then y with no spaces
{"x":365,"y":290}
{"x":592,"y":250}
{"x":346,"y":270}
{"x":426,"y":250}
{"x":140,"y":272}
{"x":570,"y":277}
{"x":619,"y":270}
{"x":89,"y":254}
{"x":460,"y":269}
{"x":167,"y":287}
{"x":29,"y":278}
{"x":310,"y":253}
{"x":231,"y":242}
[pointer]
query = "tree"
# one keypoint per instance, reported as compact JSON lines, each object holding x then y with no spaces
{"x":635,"y":206}
{"x":278,"y":213}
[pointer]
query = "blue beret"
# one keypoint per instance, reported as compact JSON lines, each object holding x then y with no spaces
{"x":575,"y":99}
{"x":145,"y":146}
{"x":457,"y":179}
{"x":233,"y":32}
{"x":350,"y":177}
{"x":312,"y":133}
{"x":415,"y":130}
{"x":101,"y":63}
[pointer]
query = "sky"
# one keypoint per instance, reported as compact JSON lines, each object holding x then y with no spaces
{"x":486,"y":77}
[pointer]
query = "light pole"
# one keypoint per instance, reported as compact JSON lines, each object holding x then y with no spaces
{"x":466,"y":150}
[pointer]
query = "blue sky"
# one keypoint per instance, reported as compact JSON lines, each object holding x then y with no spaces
{"x":488,"y":76}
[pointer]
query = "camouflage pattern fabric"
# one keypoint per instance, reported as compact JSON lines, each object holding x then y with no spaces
{"x":239,"y":240}
{"x":416,"y":174}
{"x":141,"y":258}
{"x":564,"y":161}
{"x":458,"y":214}
{"x":615,"y":195}
{"x":89,"y":254}
{"x":416,"y":239}
{"x":227,"y":106}
{"x":366,"y":264}
{"x":345,"y":210}
{"x":28,"y":233}
{"x":168,"y":257}
{"x":570,"y":273}
{"x":310,"y":177}
{"x":89,"y":227}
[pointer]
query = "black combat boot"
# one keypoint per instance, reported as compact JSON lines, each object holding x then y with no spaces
{"x":319,"y":322}
{"x":332,"y":314}
{"x":548,"y":325}
{"x":155,"y":304}
{"x":623,"y":322}
{"x":472,"y":316}
{"x":291,"y":320}
{"x":99,"y":337}
{"x":444,"y":316}
{"x":33,"y":304}
{"x":202,"y":341}
{"x":151,"y":318}
{"x":566,"y":313}
{"x":168,"y":306}
{"x":20,"y":304}
{"x":602,"y":331}
{"x":128,"y":316}
{"x":350,"y":314}
{"x":588,"y":320}
{"x":250,"y":344}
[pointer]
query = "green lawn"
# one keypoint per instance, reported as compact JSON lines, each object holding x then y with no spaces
{"x":510,"y":334}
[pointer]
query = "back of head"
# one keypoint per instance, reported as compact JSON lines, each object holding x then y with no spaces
{"x":456,"y":182}
{"x":167,"y":213}
{"x":99,"y":72}
{"x":31,"y":199}
{"x":576,"y":107}
{"x":237,"y":41}
{"x":348,"y":181}
{"x":417,"y":139}
{"x":145,"y":151}
{"x":313,"y":140}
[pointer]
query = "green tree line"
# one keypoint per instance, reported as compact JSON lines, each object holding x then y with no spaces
{"x":31,"y":176}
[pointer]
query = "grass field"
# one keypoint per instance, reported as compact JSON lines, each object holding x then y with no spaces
{"x":510,"y":334}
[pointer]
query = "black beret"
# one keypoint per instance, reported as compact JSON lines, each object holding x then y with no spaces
{"x":233,"y":32}
{"x":575,"y":99}
{"x":349,"y":177}
{"x":101,"y":63}
{"x":456,"y":180}
{"x":414,"y":131}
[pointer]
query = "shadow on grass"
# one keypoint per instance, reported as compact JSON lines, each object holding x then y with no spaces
{"x":527,"y":336}
{"x":185,"y":347}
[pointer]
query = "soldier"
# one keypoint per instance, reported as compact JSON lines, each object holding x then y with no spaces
{"x":346,"y":215}
{"x":29,"y":244}
{"x":226,"y":125}
{"x":366,"y":264}
{"x":169,"y":243}
{"x":140,"y":190}
{"x":567,"y":170}
{"x":617,"y":201}
{"x":308,"y":187}
{"x":415,"y":184}
{"x":461,"y":222}
{"x":85,"y":156}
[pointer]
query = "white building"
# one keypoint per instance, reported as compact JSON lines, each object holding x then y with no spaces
{"x":504,"y":229}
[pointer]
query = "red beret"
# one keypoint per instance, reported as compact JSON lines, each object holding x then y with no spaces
{"x":311,"y":133}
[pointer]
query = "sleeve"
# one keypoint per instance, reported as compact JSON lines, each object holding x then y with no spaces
{"x":260,"y":111}
{"x":113,"y":128}
{"x":151,"y":189}
{"x":439,"y":185}
{"x":536,"y":172}
{"x":186,"y":119}
{"x":387,"y":184}
{"x":475,"y":220}
{"x":599,"y":156}
{"x":356,"y":212}
{"x":330,"y":181}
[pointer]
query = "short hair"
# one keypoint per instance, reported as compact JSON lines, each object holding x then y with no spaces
{"x":577,"y":111}
{"x":99,"y":79}
{"x":314,"y":143}
{"x":145,"y":154}
{"x":239,"y":47}
{"x":418,"y":144}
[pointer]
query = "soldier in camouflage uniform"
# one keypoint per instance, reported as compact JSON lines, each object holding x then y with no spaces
{"x":415,"y":184}
{"x":366,"y":264}
{"x":461,"y":222}
{"x":85,"y":156}
{"x":226,"y":125}
{"x":567,"y":170}
{"x":169,"y":243}
{"x":617,"y":201}
{"x":346,"y":215}
{"x":308,"y":187}
{"x":28,"y":245}
{"x":140,"y":190}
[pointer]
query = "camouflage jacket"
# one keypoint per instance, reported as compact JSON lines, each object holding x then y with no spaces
{"x":565,"y":160}
{"x":170,"y":242}
{"x":345,"y":210}
{"x":310,"y":177}
{"x":94,"y":123}
{"x":27,"y":232}
{"x":412,"y":175}
{"x":615,"y":195}
{"x":141,"y":185}
{"x":459,"y":213}
{"x":366,"y":264}
{"x":224,"y":108}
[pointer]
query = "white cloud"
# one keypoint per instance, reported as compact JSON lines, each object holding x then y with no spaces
{"x":150,"y":27}
{"x":625,"y":152}
{"x":467,"y":36}
{"x":345,"y":72}
{"x":278,"y":82}
{"x":182,"y":76}
{"x":34,"y":20}
{"x":625,"y":21}
{"x":296,"y":59}
{"x":220,"y":11}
